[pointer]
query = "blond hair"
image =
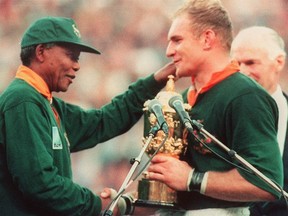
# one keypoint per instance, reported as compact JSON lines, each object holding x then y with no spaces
{"x":208,"y":14}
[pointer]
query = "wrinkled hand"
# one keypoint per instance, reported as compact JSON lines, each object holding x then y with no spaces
{"x":170,"y":171}
{"x":106,"y":197}
{"x":162,"y":74}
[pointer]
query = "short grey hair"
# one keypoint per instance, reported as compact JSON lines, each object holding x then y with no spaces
{"x":261,"y":37}
{"x":28,"y":53}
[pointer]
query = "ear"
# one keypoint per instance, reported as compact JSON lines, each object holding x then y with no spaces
{"x":280,"y":60}
{"x":39,"y":51}
{"x":209,"y":37}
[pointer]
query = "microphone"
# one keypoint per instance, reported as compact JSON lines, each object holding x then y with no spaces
{"x":176,"y":102}
{"x":156,"y":108}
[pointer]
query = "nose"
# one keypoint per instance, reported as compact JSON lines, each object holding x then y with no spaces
{"x":76,"y":66}
{"x":170,"y":50}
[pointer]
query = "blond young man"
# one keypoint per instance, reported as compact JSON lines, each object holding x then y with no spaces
{"x":231,"y":107}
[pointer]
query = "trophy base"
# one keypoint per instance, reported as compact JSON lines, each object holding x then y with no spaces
{"x":155,"y":204}
{"x":155,"y":194}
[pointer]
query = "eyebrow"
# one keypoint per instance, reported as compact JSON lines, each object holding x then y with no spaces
{"x":174,"y":37}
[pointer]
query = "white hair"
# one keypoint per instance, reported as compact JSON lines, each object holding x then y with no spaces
{"x":262,"y":38}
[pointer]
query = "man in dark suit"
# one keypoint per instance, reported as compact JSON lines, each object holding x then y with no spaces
{"x":262,"y":57}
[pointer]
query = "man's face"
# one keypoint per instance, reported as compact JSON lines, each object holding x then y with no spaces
{"x":255,"y":63}
{"x":183,"y":47}
{"x":61,"y":64}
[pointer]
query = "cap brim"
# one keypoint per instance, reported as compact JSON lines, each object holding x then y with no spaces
{"x":81,"y":46}
{"x":86,"y":48}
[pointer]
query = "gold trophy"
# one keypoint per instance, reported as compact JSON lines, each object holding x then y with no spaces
{"x":150,"y":192}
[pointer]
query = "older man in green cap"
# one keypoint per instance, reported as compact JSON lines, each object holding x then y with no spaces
{"x":38,"y":131}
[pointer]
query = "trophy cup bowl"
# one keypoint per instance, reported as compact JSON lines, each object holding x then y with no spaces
{"x":153,"y":193}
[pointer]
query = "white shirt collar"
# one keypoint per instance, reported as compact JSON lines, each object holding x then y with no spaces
{"x":283,"y":116}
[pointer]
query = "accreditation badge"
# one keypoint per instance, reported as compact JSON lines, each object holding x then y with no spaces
{"x":56,"y":141}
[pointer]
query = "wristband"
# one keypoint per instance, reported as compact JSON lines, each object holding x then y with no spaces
{"x":189,"y":179}
{"x":204,"y":183}
{"x":196,"y":180}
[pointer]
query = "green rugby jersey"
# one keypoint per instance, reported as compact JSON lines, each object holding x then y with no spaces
{"x":243,"y":116}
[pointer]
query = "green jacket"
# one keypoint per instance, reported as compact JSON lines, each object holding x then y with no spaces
{"x":243,"y":116}
{"x":35,"y":166}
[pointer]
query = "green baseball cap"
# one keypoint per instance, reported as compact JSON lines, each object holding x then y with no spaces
{"x":55,"y":29}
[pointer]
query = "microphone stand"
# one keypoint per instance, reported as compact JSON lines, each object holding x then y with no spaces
{"x":241,"y":160}
{"x":114,"y":202}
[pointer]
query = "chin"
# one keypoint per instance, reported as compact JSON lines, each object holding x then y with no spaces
{"x":182,"y":73}
{"x":61,"y":90}
{"x":64,"y":90}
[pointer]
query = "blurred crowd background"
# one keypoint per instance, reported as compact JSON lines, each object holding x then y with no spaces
{"x":132,"y":37}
